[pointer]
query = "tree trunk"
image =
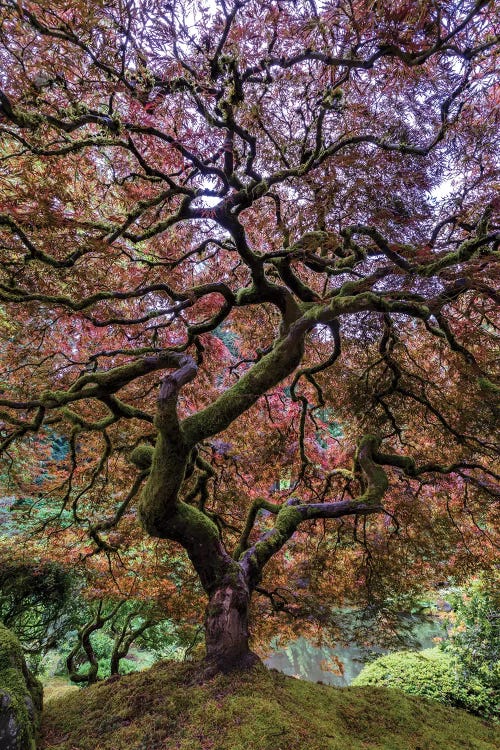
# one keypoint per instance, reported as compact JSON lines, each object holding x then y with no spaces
{"x":226,"y":628}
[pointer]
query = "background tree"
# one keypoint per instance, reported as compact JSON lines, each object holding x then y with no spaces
{"x":60,"y":616}
{"x":107,"y":632}
{"x":474,"y":639}
{"x":36,"y":603}
{"x":227,"y":236}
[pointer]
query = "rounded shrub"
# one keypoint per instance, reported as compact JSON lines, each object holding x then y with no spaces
{"x":430,"y":674}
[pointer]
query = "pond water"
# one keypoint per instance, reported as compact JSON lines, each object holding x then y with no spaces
{"x":302,"y":659}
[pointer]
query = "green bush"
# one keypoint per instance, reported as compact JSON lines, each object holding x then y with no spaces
{"x":474,"y":638}
{"x":431,"y":674}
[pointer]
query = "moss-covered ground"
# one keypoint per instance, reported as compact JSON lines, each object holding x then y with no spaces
{"x":55,"y":687}
{"x":168,"y":708}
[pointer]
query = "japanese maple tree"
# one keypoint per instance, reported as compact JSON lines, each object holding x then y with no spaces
{"x":248,"y":261}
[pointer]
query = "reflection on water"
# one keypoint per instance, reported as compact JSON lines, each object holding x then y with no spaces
{"x":302,"y":659}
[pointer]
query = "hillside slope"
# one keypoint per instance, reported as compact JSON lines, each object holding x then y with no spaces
{"x":165,"y":708}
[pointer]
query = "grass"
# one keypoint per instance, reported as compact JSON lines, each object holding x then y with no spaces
{"x":167,"y":708}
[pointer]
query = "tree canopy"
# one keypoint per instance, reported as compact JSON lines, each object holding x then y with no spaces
{"x":249,"y":254}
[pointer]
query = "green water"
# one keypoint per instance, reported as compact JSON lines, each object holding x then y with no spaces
{"x":301,"y":658}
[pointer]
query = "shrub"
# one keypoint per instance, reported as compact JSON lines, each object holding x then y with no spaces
{"x":474,"y":638}
{"x":431,"y":674}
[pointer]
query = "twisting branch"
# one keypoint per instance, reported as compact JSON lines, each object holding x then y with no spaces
{"x":259,"y":504}
{"x":84,"y":643}
{"x":374,"y":484}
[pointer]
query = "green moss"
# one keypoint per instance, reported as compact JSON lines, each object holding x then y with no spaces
{"x":194,"y":522}
{"x":431,"y":674}
{"x":488,"y":386}
{"x":169,"y":460}
{"x":286,"y":523}
{"x":78,"y":420}
{"x":56,"y":687}
{"x":21,"y":694}
{"x":265,"y":374}
{"x":54,"y":397}
{"x":167,"y":707}
{"x":142,"y":456}
{"x":27,"y":120}
{"x":376,"y":476}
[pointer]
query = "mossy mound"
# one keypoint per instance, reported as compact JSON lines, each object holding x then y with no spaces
{"x":166,"y":708}
{"x":55,"y":687}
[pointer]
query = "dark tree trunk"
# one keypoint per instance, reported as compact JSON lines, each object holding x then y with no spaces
{"x":226,"y":627}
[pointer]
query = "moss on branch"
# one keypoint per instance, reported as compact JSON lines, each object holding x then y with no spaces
{"x":376,"y":478}
{"x":489,"y":387}
{"x":271,"y":369}
{"x":169,"y":458}
{"x":142,"y":456}
{"x":259,"y":504}
{"x":374,"y":485}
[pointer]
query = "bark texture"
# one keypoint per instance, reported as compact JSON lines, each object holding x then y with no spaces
{"x":226,"y":627}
